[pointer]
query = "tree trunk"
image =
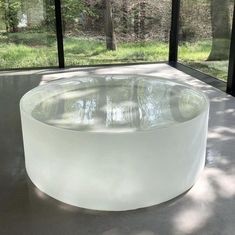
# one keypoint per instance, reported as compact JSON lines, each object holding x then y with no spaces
{"x":125,"y":16}
{"x":6,"y":5}
{"x":221,"y":30}
{"x":137,"y":20}
{"x":109,"y":28}
{"x":142,"y":19}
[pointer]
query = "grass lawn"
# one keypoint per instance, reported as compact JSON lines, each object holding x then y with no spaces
{"x":89,"y":52}
{"x":195,"y":55}
{"x":19,"y":50}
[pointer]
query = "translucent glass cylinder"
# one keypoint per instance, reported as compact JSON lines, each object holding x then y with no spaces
{"x":114,"y":142}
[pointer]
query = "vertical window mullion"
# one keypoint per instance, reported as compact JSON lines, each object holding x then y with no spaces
{"x":59,"y":33}
{"x":173,"y":46}
{"x":231,"y":67}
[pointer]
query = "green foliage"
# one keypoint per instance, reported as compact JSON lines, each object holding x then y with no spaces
{"x":195,"y":55}
{"x":31,"y":38}
{"x":39,"y":49}
{"x":49,"y":20}
{"x":10,"y":9}
{"x":216,"y":69}
{"x":195,"y":51}
{"x":73,"y":12}
{"x":88,"y":52}
{"x":20,"y":56}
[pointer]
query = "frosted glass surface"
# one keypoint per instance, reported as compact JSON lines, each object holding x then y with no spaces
{"x":114,"y":142}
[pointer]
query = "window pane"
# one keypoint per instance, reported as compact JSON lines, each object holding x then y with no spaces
{"x":205,"y":30}
{"x":106,"y":32}
{"x":27,"y":34}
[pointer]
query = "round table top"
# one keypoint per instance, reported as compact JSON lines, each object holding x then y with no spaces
{"x":113,"y":103}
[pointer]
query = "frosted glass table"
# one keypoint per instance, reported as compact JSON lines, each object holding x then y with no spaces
{"x":114,"y":142}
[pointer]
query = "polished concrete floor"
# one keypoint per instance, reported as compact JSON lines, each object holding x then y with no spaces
{"x":207,"y":209}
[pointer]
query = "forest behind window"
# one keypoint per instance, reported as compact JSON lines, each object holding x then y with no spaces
{"x":108,"y":31}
